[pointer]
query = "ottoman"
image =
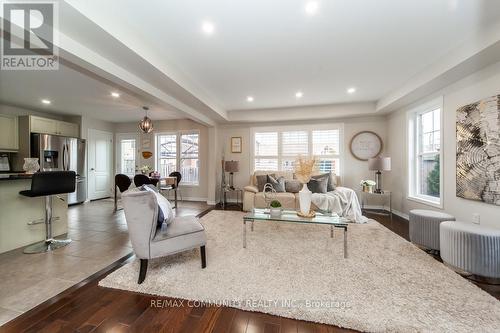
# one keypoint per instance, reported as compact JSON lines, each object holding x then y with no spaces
{"x":424,"y":227}
{"x":472,"y":248}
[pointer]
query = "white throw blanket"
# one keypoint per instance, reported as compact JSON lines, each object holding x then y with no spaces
{"x":342,"y":201}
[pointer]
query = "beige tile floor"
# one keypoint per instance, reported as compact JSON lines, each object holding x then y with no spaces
{"x":99,"y":238}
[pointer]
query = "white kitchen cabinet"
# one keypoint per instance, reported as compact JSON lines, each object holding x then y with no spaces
{"x":67,"y":129}
{"x":9,"y":133}
{"x":51,"y":126}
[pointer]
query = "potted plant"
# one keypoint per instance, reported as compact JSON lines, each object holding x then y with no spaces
{"x":368,"y":185}
{"x":275,"y":208}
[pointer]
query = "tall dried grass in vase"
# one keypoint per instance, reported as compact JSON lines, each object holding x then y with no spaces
{"x":304,"y":168}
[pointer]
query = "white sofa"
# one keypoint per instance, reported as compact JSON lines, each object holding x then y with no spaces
{"x":252,"y":198}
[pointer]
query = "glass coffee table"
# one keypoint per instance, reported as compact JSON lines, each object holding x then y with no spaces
{"x":290,"y":216}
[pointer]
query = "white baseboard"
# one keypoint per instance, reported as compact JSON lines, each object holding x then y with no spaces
{"x":184,"y":198}
{"x":382,"y":207}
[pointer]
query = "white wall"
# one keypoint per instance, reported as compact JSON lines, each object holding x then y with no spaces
{"x":353,"y":170}
{"x":199,"y":192}
{"x":481,"y":84}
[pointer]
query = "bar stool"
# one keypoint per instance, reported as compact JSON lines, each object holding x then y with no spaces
{"x":47,"y":184}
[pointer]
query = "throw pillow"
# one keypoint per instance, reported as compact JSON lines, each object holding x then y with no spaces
{"x":278,"y":184}
{"x":332,"y":180}
{"x":292,"y":186}
{"x":318,"y":184}
{"x":165,"y":214}
{"x":262,"y":180}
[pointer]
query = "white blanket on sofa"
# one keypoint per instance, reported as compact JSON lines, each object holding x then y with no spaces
{"x":342,"y":201}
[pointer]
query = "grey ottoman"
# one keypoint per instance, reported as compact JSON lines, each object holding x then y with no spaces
{"x":471,"y":248}
{"x":424,"y":227}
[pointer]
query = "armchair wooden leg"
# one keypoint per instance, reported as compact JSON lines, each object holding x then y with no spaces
{"x":203,"y":257}
{"x":143,"y":270}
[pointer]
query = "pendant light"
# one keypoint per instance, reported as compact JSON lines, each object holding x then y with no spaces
{"x":146,"y":124}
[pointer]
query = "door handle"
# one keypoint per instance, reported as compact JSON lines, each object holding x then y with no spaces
{"x":92,"y":169}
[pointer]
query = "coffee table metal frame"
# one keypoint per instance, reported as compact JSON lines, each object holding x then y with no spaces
{"x":289,"y":216}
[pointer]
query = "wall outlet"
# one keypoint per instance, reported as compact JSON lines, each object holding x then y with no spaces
{"x":476,"y":218}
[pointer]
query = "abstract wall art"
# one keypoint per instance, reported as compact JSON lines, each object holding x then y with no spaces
{"x":478,"y":151}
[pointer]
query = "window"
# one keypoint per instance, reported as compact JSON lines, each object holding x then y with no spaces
{"x":425,"y":154}
{"x":189,"y":163}
{"x":178,"y":152}
{"x":127,"y":163}
{"x":266,"y":151}
{"x":126,"y":154}
{"x":278,"y":150}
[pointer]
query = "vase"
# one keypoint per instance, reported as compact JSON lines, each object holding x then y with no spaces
{"x":368,"y":188}
{"x":305,"y":199}
{"x":31,"y":165}
{"x":275,"y":212}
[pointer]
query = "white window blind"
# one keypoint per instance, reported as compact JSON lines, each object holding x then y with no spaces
{"x":266,"y":151}
{"x":278,"y":150}
{"x":293,"y":144}
{"x":326,"y":148}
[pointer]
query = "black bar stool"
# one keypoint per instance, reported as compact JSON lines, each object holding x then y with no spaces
{"x":47,"y":184}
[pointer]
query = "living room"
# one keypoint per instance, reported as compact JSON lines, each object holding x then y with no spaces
{"x":270,"y":166}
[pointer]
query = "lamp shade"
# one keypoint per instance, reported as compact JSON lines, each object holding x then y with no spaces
{"x":379,"y":164}
{"x":231,"y":166}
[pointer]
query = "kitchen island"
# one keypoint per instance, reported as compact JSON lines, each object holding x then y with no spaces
{"x":22,"y":218}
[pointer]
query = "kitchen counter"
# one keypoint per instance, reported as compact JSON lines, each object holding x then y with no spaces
{"x":21,"y":218}
{"x":14,"y":176}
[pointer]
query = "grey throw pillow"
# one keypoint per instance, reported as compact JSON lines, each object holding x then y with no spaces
{"x":277,"y":183}
{"x":318,"y":184}
{"x":293,"y":185}
{"x":262,"y":180}
{"x":332,"y":180}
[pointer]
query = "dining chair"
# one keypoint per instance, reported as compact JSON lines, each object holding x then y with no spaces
{"x":141,"y":179}
{"x":122,"y":183}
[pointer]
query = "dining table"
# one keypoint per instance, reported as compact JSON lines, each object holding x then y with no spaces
{"x":158,"y":182}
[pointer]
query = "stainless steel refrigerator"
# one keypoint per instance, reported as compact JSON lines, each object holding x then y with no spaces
{"x":59,"y":153}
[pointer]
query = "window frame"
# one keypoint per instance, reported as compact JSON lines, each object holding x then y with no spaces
{"x":414,"y":154}
{"x":178,"y":157}
{"x":309,"y":129}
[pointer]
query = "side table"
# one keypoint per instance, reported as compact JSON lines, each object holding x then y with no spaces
{"x":239,"y":197}
{"x":387,"y":195}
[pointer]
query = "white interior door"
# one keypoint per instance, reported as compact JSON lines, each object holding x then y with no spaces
{"x":100,"y":159}
{"x":127,"y":153}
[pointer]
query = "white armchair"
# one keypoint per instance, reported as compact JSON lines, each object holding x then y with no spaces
{"x":182,"y":234}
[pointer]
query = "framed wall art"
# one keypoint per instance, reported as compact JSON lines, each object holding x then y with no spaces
{"x":236,"y":144}
{"x":365,"y":145}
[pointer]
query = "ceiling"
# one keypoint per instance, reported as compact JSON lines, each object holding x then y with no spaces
{"x":270,"y":49}
{"x":73,"y":91}
{"x":391,"y":51}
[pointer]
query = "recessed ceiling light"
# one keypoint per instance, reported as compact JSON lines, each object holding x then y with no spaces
{"x":45,"y":101}
{"x":250,"y":99}
{"x":208,"y":27}
{"x":311,"y":7}
{"x":299,"y":94}
{"x":351,"y":90}
{"x":115,"y":94}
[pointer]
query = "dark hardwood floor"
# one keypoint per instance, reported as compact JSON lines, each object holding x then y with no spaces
{"x":86,"y":307}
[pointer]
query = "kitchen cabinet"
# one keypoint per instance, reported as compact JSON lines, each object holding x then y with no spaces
{"x":51,"y":126}
{"x":9,"y":133}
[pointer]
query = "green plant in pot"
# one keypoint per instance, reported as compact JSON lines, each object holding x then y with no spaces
{"x":275,"y":208}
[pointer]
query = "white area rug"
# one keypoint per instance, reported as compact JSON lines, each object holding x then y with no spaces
{"x":385,"y":285}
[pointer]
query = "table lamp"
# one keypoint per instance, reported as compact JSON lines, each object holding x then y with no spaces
{"x":231,"y":167}
{"x":379,"y":164}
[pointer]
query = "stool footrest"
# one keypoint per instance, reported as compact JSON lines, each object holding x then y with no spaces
{"x":47,"y":245}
